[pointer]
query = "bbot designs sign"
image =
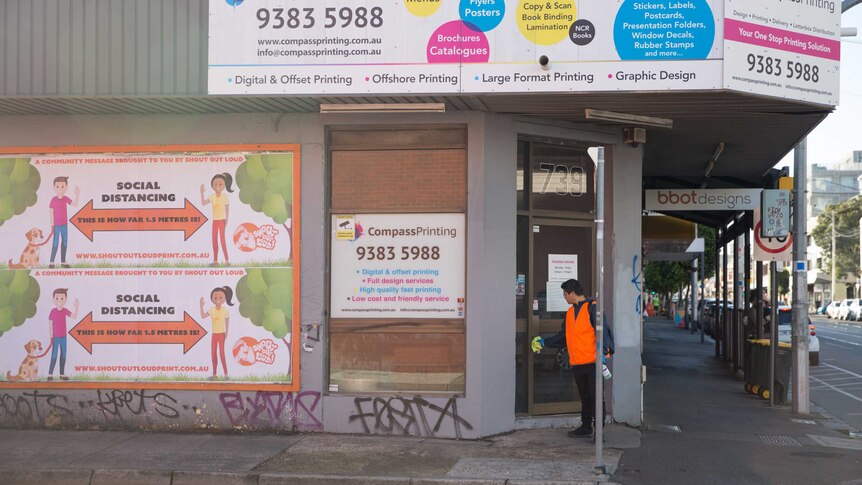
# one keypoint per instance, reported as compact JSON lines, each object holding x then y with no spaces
{"x":701,"y":199}
{"x":399,"y":266}
{"x":151,"y":267}
{"x":470,"y":46}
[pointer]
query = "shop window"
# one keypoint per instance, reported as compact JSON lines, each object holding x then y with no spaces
{"x":397,"y":253}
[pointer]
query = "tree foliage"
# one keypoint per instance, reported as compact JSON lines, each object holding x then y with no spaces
{"x":708,"y":234}
{"x":847,"y":216}
{"x":665,"y":277}
{"x":783,"y":282}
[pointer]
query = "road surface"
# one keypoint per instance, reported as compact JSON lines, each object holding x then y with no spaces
{"x":836,"y":384}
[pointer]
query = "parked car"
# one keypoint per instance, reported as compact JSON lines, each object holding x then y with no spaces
{"x":784,"y":334}
{"x":844,"y":309}
{"x":821,"y":310}
{"x":832,"y":309}
{"x":854,"y":311}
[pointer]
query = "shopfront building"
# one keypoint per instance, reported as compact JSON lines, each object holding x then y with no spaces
{"x":391,"y":239}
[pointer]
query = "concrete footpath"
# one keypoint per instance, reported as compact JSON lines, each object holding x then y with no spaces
{"x":110,"y":457}
{"x":700,"y":427}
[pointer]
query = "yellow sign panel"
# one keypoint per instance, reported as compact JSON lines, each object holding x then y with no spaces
{"x":345,"y":228}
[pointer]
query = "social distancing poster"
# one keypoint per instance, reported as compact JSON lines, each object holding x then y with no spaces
{"x":149,"y":267}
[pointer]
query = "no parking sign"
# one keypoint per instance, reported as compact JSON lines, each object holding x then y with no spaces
{"x":770,"y":248}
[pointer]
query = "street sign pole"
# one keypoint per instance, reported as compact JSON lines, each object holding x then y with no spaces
{"x":598,"y":412}
{"x":773,"y":328}
{"x":799,"y":335}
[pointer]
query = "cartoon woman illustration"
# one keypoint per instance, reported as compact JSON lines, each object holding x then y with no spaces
{"x":221,"y":211}
{"x":220,"y":319}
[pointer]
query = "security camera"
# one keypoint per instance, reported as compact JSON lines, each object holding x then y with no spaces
{"x":544,"y":62}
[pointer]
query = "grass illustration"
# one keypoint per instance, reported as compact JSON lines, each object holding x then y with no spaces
{"x":162,"y":263}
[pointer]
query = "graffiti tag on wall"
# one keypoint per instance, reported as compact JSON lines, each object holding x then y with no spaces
{"x":417,"y":417}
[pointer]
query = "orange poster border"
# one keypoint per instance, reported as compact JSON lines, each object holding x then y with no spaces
{"x":294,"y":148}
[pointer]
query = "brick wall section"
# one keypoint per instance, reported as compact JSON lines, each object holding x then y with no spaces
{"x":431,"y":180}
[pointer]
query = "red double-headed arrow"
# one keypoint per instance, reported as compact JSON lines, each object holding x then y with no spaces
{"x":187,"y":332}
{"x":187,"y":219}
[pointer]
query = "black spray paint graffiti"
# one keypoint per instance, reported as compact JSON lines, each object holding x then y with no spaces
{"x":120,"y":404}
{"x":35,"y":406}
{"x":397,"y":415}
{"x":273,"y":409}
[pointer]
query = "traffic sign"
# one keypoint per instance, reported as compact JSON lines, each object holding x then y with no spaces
{"x":770,"y":248}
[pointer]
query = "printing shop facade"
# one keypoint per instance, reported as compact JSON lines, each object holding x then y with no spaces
{"x":390,"y":244}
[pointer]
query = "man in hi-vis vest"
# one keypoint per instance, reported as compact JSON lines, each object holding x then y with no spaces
{"x":578,"y":334}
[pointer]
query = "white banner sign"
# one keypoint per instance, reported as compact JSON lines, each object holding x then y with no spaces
{"x":471,"y":46}
{"x":399,"y":266}
{"x":701,"y":199}
{"x":788,"y":49}
{"x":562,"y":267}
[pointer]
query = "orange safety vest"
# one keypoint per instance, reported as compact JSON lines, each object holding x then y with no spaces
{"x":580,"y":336}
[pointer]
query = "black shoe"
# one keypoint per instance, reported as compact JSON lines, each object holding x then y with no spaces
{"x":582,"y":432}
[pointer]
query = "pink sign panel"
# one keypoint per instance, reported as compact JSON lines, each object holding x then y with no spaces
{"x":785,"y":40}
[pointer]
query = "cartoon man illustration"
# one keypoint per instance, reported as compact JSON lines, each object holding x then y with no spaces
{"x":57,"y":327}
{"x":59,"y":215}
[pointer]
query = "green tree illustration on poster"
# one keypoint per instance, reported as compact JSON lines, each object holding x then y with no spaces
{"x":266,"y":184}
{"x":266,"y":299}
{"x":19,"y":181}
{"x":19,"y":293}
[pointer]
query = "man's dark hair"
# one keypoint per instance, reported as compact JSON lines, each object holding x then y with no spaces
{"x":61,"y":291}
{"x":572,"y":286}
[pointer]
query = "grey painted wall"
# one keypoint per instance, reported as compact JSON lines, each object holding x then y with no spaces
{"x":488,"y":405}
{"x":103,"y":47}
{"x":623,"y":229}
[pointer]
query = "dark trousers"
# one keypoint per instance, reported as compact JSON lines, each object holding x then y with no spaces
{"x":585,"y":379}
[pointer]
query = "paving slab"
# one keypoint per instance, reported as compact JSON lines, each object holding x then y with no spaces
{"x":312,"y":479}
{"x":350,"y":455}
{"x":36,"y":449}
{"x":211,"y":478}
{"x":131,"y":477}
{"x":188,"y":451}
{"x":519,"y":469}
{"x":46,"y":477}
{"x":844,"y":443}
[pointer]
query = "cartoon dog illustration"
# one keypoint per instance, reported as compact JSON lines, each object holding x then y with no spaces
{"x":30,"y":255}
{"x":28,"y":370}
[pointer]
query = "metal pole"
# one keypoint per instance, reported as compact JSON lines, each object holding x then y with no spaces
{"x":693,"y":316}
{"x":722,"y":333}
{"x":737,"y":304}
{"x":799,"y":335}
{"x":773,"y":328}
{"x":600,"y":259}
{"x":715,"y":310}
{"x":832,"y":289}
{"x":746,"y":298}
{"x":759,"y":276}
{"x":701,"y":318}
